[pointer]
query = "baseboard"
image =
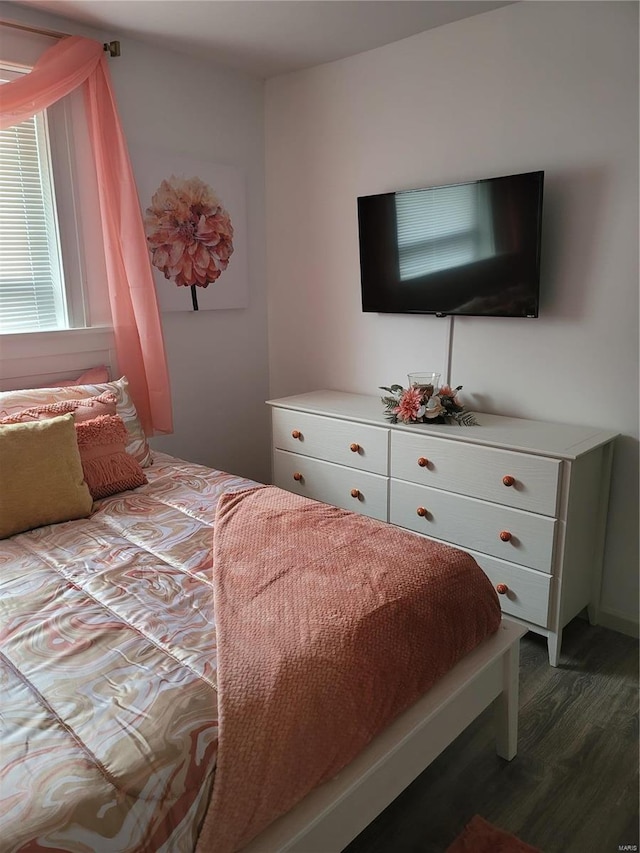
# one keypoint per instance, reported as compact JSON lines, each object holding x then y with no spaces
{"x":618,"y":622}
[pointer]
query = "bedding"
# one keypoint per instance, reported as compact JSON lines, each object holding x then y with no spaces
{"x":107,"y":642}
{"x":110,"y":633}
{"x":305,"y":681}
{"x":13,"y":402}
{"x":82,"y":410}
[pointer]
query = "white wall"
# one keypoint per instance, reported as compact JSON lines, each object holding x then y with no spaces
{"x":550,"y":86}
{"x":217,"y":359}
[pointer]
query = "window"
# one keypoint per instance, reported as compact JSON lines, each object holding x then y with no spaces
{"x":32,"y":293}
{"x":50,"y":230}
{"x":60,"y":324}
{"x":442,"y":228}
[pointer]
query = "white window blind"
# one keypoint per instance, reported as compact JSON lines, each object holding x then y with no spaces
{"x":441,"y":228}
{"x":32,"y":296}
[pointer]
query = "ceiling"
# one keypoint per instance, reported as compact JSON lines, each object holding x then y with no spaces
{"x":265,"y":37}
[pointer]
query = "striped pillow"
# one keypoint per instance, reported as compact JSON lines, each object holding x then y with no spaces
{"x":12,"y":402}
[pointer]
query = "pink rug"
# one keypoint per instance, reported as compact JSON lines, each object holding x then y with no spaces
{"x":479,"y":836}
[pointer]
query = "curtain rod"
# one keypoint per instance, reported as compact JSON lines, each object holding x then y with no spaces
{"x":112,"y":47}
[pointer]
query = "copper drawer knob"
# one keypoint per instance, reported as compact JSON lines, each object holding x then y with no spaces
{"x":422,"y":512}
{"x":355,"y":448}
{"x":502,"y":588}
{"x":508,"y":480}
{"x":296,"y":433}
{"x":297,"y":477}
{"x":505,"y":535}
{"x":422,"y":462}
{"x":355,"y":493}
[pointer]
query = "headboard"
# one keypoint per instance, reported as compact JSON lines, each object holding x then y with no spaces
{"x":33,"y":360}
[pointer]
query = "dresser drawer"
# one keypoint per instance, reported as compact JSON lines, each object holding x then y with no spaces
{"x":333,"y":484}
{"x":475,"y":524}
{"x":477,"y":471}
{"x":357,"y":445}
{"x":527,"y":591}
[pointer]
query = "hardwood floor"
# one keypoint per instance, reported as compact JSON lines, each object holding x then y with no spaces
{"x":572,"y":788}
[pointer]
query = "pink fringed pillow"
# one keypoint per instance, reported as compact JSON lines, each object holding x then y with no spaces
{"x":108,"y":468}
{"x":83,"y":410}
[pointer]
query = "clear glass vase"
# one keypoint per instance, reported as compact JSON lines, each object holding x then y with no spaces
{"x":425,"y":381}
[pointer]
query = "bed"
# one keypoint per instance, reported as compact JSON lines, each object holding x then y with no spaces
{"x":111,"y":646}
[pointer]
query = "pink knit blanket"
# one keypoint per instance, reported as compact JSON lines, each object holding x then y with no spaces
{"x":329,"y":624}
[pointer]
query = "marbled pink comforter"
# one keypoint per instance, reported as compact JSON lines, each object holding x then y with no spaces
{"x":108,"y":706}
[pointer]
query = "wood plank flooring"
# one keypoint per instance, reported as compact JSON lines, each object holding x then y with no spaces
{"x":572,"y":788}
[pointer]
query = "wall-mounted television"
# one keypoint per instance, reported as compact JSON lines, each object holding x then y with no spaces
{"x":471,"y":248}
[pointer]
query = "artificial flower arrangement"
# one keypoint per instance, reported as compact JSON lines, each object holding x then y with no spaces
{"x":424,"y":404}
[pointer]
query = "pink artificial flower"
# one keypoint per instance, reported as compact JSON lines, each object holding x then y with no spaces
{"x":189,"y":232}
{"x":409,"y":405}
{"x":448,"y":391}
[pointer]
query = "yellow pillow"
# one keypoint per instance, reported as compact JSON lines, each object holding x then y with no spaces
{"x":41,"y":480}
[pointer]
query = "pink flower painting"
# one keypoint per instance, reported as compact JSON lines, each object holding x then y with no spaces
{"x":189,"y":233}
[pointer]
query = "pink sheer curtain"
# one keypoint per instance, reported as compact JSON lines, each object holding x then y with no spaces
{"x":72,"y":62}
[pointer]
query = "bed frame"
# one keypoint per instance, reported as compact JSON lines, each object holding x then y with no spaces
{"x":61,"y":355}
{"x":332,"y":815}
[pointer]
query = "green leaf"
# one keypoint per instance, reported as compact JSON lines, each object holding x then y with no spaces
{"x":466,"y":419}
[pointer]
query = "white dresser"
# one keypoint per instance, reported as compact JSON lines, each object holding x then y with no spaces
{"x":528,"y":499}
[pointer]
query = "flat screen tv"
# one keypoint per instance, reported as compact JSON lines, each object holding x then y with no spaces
{"x":471,"y":248}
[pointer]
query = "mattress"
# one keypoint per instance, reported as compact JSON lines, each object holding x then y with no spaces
{"x":108,"y":719}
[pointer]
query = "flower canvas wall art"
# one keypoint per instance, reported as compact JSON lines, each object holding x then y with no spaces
{"x":194,"y":220}
{"x":189,"y":233}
